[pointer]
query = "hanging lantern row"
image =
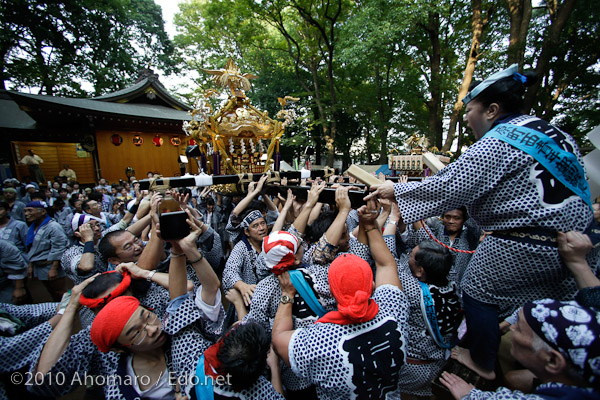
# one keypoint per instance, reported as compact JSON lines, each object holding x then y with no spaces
{"x":158,"y":141}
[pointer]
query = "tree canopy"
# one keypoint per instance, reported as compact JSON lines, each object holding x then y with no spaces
{"x":370,"y":73}
{"x":70,"y":46}
{"x":373,"y":72}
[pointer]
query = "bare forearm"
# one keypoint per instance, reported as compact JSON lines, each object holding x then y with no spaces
{"x":276,"y":379}
{"x":243,"y":204}
{"x":160,"y":278}
{"x":383,"y":216}
{"x":153,"y":253}
{"x":335,"y":231}
{"x":241,"y":310}
{"x":379,"y":250}
{"x":390,"y":228}
{"x":58,"y":341}
{"x":206,"y":275}
{"x":584,"y":276}
{"x":387,"y":270}
{"x":280,"y":220}
{"x":270,"y":205}
{"x":177,"y":277}
{"x":314,"y":213}
{"x":86,"y":263}
{"x":283,"y":329}
{"x":302,"y":220}
{"x":138,"y":226}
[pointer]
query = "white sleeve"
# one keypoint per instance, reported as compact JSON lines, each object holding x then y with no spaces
{"x":211,"y":312}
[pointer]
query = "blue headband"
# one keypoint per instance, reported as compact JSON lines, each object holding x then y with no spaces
{"x":37,"y":204}
{"x":250,"y":218}
{"x":510,"y":71}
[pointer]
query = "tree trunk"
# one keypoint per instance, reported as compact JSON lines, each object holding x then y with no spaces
{"x":519,"y":12}
{"x":333,"y":121}
{"x":382,"y":120}
{"x":558,"y":20}
{"x":326,"y":30}
{"x":478,"y":24}
{"x":434,"y":103}
{"x":368,"y":138}
{"x":3,"y":76}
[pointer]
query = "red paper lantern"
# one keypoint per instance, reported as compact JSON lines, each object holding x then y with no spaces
{"x":175,"y":141}
{"x":192,"y":142}
{"x":116,"y":139}
{"x":157,"y":141}
{"x":138,"y":140}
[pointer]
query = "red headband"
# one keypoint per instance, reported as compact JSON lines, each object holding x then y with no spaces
{"x":351,"y":283}
{"x":119,"y":290}
{"x":109,"y":322}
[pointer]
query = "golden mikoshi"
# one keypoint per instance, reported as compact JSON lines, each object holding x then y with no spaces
{"x":239,"y":137}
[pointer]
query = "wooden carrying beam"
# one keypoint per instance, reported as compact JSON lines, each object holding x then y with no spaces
{"x":362,"y":176}
{"x":326,"y":196}
{"x":202,"y":180}
{"x":434,"y":164}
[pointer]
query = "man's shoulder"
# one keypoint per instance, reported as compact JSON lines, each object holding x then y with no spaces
{"x":54,"y":224}
{"x":17,"y":224}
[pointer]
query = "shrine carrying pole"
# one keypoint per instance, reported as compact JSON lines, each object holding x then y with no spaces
{"x":202,"y":180}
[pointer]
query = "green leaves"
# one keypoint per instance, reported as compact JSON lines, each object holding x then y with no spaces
{"x":58,"y":47}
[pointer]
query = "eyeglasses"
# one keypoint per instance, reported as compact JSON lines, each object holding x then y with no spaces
{"x":143,"y":333}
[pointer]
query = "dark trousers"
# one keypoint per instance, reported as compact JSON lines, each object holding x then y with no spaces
{"x":483,"y":333}
{"x":56,"y":288}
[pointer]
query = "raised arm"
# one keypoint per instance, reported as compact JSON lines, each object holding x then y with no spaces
{"x":336,"y":230}
{"x":61,"y":334}
{"x":395,"y":223}
{"x":154,"y":251}
{"x":254,"y":190}
{"x":284,"y":211}
{"x":136,"y":209}
{"x":206,"y":275}
{"x":311,"y":201}
{"x":140,"y":225}
{"x":573,"y":247}
{"x":283,"y":325}
{"x":387,"y":270}
{"x":386,"y":208}
{"x":86,"y":262}
{"x":177,"y":272}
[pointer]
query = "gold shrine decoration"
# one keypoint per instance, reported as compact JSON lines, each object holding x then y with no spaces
{"x":238,"y":135}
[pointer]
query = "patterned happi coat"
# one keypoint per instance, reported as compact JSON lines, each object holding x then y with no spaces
{"x":355,"y":361}
{"x":503,"y":189}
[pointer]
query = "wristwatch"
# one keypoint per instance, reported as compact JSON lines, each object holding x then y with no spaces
{"x":285,"y":299}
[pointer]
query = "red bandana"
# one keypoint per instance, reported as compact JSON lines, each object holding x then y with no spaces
{"x":280,"y":250}
{"x":212,"y":365}
{"x":95,"y":303}
{"x":109,"y":322}
{"x":351,"y":283}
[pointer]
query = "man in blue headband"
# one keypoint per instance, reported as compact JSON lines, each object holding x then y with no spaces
{"x":250,"y":228}
{"x":523,"y":180}
{"x":46,"y":242}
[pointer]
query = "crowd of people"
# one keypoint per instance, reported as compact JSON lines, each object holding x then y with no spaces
{"x":480,"y":282}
